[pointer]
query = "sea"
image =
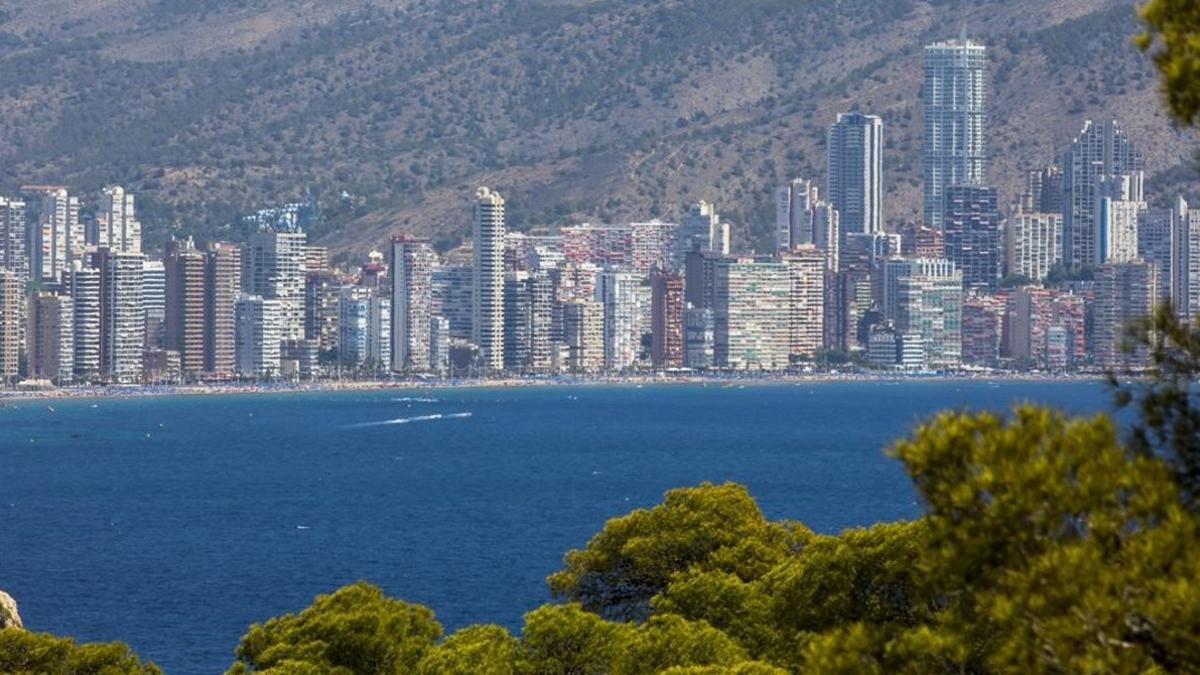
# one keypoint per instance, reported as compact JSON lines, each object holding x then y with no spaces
{"x":173,"y":523}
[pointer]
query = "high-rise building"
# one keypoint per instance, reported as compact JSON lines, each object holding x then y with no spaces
{"x":528,"y":320}
{"x":1185,"y":260}
{"x":453,"y":293}
{"x":666,"y":323}
{"x":971,"y":221}
{"x":122,"y":313}
{"x":186,"y":282}
{"x":616,"y":291}
{"x":119,"y":228}
{"x":154,"y":298}
{"x":702,"y":230}
{"x":583,"y":331}
{"x":84,"y":285}
{"x":1033,"y":244}
{"x":487,"y":329}
{"x":855,"y":179}
{"x":1154,"y":231}
{"x":1100,"y":150}
{"x":439,"y":345}
{"x":411,"y":263}
{"x":982,"y":330}
{"x":322,"y":292}
{"x":51,"y":337}
{"x":955,"y":134}
{"x":58,"y":238}
{"x":13,"y":253}
{"x":275,"y":269}
{"x":1043,"y":191}
{"x":924,"y":297}
{"x":222,"y":285}
{"x":12,"y":295}
{"x":1119,"y":206}
{"x":699,"y":338}
{"x":750,"y":311}
{"x":365,"y":327}
{"x":1045,"y":328}
{"x":802,"y":217}
{"x":1125,"y":291}
{"x":806,"y":301}
{"x":258,"y":336}
{"x":316,"y":258}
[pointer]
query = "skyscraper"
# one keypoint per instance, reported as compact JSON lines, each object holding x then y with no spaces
{"x":1033,"y":244}
{"x":971,"y":222}
{"x":1119,"y":206}
{"x":154,"y":298}
{"x":222,"y":284}
{"x":122,"y":315}
{"x":750,"y":311}
{"x":120,"y":229}
{"x":185,"y":305}
{"x":806,"y":300}
{"x":12,"y":294}
{"x":411,"y":263}
{"x":855,"y":179}
{"x":13,"y":253}
{"x":616,"y":291}
{"x":58,"y":238}
{"x":488,"y":296}
{"x":1125,"y":291}
{"x":955,"y":134}
{"x":51,"y":337}
{"x":84,"y":285}
{"x":258,"y":336}
{"x":666,"y":322}
{"x":276,"y":270}
{"x":1099,"y":151}
{"x":702,"y":230}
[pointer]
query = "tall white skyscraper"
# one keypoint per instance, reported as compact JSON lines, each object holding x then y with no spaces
{"x":257,"y":336}
{"x":1119,"y":206}
{"x":411,"y":268}
{"x":276,"y":270}
{"x":84,"y":285}
{"x":1185,"y":260}
{"x":1099,"y":152}
{"x":120,"y":229}
{"x":13,"y":253}
{"x":123,"y":315}
{"x":955,"y":141}
{"x":58,"y":238}
{"x":617,"y":292}
{"x":855,"y":179}
{"x":488,"y":232}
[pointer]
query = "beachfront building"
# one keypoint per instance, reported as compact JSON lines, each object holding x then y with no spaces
{"x":955,"y":133}
{"x":258,"y":336}
{"x":275,"y":270}
{"x":411,"y":264}
{"x":750,"y":311}
{"x":122,"y":315}
{"x":11,"y":297}
{"x":51,"y":337}
{"x":487,"y":317}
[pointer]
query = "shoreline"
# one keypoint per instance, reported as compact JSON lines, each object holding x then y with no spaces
{"x":325,"y":386}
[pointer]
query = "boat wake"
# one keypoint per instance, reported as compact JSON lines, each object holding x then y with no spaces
{"x":415,"y":399}
{"x":411,"y":420}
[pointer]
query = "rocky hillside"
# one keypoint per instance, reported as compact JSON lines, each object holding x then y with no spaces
{"x":391,"y":111}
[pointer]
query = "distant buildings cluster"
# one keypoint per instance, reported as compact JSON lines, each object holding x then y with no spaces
{"x":1046,"y":282}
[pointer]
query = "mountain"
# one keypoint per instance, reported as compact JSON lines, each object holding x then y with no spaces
{"x":391,"y":112}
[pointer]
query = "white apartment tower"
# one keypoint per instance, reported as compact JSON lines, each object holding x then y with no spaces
{"x":120,"y":229}
{"x":488,"y":232}
{"x":955,"y":133}
{"x":258,"y":336}
{"x":58,"y":238}
{"x":855,"y":172}
{"x":276,"y":270}
{"x":411,"y":268}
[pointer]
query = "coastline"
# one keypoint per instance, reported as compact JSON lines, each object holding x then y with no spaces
{"x":717,"y":379}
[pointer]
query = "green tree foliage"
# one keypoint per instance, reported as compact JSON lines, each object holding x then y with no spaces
{"x":1165,"y":398}
{"x":477,"y":650}
{"x":25,"y":653}
{"x":709,"y":527}
{"x":356,"y":630}
{"x":1173,"y":35}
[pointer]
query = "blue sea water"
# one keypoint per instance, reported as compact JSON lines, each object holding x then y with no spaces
{"x":174,"y":523}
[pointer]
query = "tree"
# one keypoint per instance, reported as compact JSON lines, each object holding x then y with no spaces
{"x":1168,"y":412}
{"x":25,"y":653}
{"x":1173,"y":36}
{"x":476,"y":650}
{"x":354,"y":631}
{"x":633,"y":558}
